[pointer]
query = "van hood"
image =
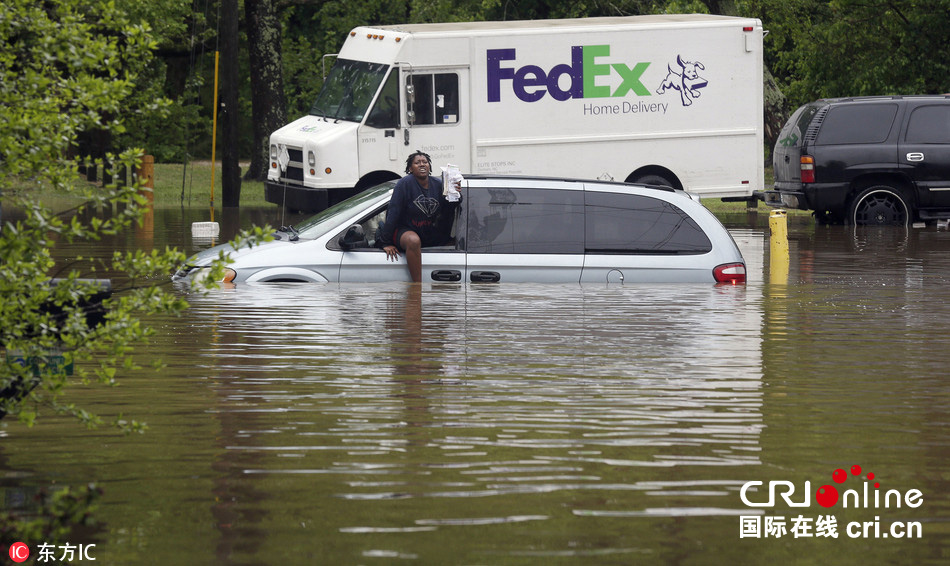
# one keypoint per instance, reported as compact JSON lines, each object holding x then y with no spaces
{"x":312,"y":130}
{"x":205,"y":257}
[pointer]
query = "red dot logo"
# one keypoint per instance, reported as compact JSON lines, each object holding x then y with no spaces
{"x":826,"y":496}
{"x":19,"y":552}
{"x":839,"y":476}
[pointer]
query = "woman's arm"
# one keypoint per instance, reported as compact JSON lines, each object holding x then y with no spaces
{"x":394,"y":213}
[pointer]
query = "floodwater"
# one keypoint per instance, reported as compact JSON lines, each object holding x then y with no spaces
{"x":527,"y":424}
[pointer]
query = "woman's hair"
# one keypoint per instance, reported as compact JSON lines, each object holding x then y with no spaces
{"x":412,"y":156}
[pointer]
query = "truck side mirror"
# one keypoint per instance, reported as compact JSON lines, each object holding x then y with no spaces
{"x":410,"y":101}
{"x":353,"y":237}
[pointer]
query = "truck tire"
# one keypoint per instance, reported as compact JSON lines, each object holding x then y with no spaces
{"x":879,"y":205}
{"x":652,"y":179}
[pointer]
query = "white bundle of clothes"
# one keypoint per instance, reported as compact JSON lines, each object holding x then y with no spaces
{"x":451,"y":179}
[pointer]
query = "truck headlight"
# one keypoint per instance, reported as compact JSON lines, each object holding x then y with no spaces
{"x":273,"y":151}
{"x":311,"y":158}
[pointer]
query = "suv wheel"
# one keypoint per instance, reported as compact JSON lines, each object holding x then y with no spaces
{"x":880,"y":205}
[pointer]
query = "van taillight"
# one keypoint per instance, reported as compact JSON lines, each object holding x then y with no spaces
{"x":808,"y":169}
{"x":730,"y":273}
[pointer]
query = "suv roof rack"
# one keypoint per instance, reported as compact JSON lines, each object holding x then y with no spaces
{"x":875,"y":97}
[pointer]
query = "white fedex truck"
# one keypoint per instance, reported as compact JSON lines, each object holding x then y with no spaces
{"x":665,"y":99}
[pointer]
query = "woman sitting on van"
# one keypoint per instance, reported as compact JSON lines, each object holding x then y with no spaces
{"x":419,"y":215}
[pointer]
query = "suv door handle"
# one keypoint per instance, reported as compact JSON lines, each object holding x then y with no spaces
{"x":446,"y":275}
{"x":485,"y":277}
{"x":915,"y":157}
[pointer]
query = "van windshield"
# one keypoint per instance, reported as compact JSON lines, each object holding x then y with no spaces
{"x":348,"y":90}
{"x":329,"y":219}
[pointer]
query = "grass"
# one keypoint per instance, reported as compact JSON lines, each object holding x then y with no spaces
{"x":197,"y":183}
{"x":176,"y":184}
{"x":179,"y":185}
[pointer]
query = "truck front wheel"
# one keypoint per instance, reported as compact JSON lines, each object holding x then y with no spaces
{"x":880,"y":205}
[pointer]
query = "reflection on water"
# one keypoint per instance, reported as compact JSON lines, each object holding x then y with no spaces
{"x":461,"y":424}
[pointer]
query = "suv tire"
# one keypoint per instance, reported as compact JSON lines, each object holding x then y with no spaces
{"x":879,"y":205}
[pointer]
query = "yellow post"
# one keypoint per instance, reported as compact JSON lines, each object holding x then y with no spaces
{"x":146,"y":173}
{"x":214,"y":127}
{"x":778,"y":247}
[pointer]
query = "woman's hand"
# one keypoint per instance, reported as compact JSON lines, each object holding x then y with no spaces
{"x":392,"y":253}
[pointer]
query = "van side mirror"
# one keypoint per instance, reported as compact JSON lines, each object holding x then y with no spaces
{"x":353,"y":237}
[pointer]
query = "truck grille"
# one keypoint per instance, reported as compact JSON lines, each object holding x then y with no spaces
{"x":294,"y":172}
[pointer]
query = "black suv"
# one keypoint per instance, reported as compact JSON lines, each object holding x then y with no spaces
{"x":869,"y":160}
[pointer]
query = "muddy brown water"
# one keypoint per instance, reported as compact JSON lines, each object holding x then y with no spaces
{"x":520,"y":424}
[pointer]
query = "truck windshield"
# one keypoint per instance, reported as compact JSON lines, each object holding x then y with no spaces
{"x":348,"y":90}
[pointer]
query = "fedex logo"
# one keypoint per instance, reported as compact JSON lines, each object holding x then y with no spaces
{"x":530,"y":83}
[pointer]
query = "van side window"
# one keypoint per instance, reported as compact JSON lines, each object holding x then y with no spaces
{"x":385,"y":113}
{"x":857,"y":124}
{"x":633,"y":224}
{"x":929,"y":124}
{"x":436,"y":99}
{"x":513,"y":221}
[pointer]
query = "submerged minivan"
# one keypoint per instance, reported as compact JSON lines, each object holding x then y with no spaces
{"x":873,"y":160}
{"x":508,"y":229}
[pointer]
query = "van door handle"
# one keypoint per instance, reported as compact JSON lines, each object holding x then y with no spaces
{"x":485,"y":277}
{"x":915,"y":157}
{"x":446,"y":275}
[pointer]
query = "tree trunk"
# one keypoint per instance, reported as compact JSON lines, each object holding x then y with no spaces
{"x":230,"y":169}
{"x":268,"y":105}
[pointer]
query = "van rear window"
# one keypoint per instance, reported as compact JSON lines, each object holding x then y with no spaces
{"x":857,"y":124}
{"x":634,"y":224}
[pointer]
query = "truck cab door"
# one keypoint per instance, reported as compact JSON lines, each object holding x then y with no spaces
{"x":438,"y":115}
{"x":379,"y":137}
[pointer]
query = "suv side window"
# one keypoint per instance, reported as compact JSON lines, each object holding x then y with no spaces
{"x":518,"y":220}
{"x":929,"y":124}
{"x":793,"y":132}
{"x":634,"y":224}
{"x":857,"y":124}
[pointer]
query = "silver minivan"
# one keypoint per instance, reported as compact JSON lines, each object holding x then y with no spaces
{"x":508,"y":229}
